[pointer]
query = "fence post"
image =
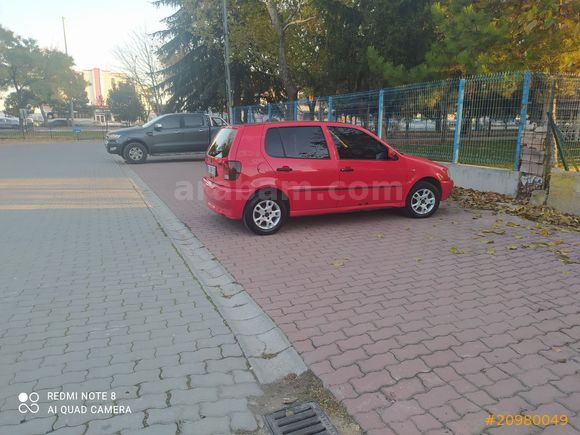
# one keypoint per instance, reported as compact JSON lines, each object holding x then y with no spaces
{"x":458,"y":121}
{"x":250,"y":116}
{"x":329,"y":109}
{"x":296,"y":110}
{"x":380,"y":115}
{"x":523,"y":115}
{"x":269,"y":112}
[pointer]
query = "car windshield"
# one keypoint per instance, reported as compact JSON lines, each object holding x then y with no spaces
{"x":153,"y":121}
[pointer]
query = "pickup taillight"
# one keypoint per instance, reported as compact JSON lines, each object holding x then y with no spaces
{"x":232,"y":170}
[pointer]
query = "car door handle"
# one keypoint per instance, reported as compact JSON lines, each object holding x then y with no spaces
{"x":284,"y":169}
{"x":149,"y":133}
{"x":202,"y":129}
{"x":347,"y":169}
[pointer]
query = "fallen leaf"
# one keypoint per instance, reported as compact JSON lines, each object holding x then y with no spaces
{"x":378,"y":236}
{"x":456,"y":250}
{"x":417,"y":259}
{"x":338,"y":263}
{"x":489,"y":242}
{"x":512,"y":224}
{"x":512,"y":247}
{"x":545,"y":232}
{"x":490,"y":251}
{"x":473,"y":199}
{"x":556,"y":349}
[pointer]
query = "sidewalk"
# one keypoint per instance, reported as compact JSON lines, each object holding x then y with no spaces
{"x":96,"y":299}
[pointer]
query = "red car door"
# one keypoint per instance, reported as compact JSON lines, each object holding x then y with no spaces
{"x":369,"y":174}
{"x":303,"y":166}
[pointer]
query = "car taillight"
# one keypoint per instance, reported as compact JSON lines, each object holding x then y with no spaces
{"x":232,"y":170}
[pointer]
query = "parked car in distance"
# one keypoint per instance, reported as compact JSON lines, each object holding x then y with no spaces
{"x":171,"y":133}
{"x":57,"y":122}
{"x":9,"y":122}
{"x":264,"y":173}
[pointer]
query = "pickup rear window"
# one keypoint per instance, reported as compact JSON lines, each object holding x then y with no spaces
{"x":220,"y":146}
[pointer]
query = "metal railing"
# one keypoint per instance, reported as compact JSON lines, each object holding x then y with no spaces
{"x":48,"y":133}
{"x":473,"y":120}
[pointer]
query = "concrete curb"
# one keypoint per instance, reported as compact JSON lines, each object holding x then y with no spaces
{"x":268,"y":350}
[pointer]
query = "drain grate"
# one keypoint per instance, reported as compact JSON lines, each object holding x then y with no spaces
{"x":303,"y":419}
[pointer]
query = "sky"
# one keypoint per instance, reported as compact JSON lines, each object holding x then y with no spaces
{"x":93,"y":28}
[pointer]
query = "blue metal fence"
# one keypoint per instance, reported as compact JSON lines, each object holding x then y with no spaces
{"x":473,"y":120}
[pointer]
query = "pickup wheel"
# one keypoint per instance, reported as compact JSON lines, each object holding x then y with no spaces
{"x":134,"y":152}
{"x":423,"y":200}
{"x":265,"y":214}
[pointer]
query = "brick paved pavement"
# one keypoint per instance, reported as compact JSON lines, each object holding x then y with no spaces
{"x":411,"y":337}
{"x":95,"y":298}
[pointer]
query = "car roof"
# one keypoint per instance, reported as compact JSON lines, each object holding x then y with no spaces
{"x":297,"y":124}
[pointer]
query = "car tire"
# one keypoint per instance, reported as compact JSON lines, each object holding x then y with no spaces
{"x":134,"y":153}
{"x":265,"y":213}
{"x":423,"y":200}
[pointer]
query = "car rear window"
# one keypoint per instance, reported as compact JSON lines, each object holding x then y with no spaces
{"x":222,"y":142}
{"x":297,"y":142}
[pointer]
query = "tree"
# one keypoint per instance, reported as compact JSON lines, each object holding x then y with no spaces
{"x":323,"y":47}
{"x":124,"y":103}
{"x":38,"y":76}
{"x":193,"y":56}
{"x":138,"y":59}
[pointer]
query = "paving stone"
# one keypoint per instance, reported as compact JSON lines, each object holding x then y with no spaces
{"x":156,"y":429}
{"x":209,"y":426}
{"x":243,"y":421}
{"x":401,"y":411}
{"x":116,"y":424}
{"x":173,"y":414}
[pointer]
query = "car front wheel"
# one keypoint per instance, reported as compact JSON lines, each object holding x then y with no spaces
{"x":423,"y":200}
{"x":265,"y":214}
{"x":135,"y":153}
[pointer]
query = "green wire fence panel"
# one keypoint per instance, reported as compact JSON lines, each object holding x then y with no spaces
{"x":566,"y":108}
{"x":491,"y":110}
{"x":420,"y":119}
{"x":500,"y":115}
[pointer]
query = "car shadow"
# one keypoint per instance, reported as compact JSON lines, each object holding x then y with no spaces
{"x":339,"y":221}
{"x":176,"y":158}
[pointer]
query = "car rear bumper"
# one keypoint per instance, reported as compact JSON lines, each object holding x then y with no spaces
{"x":446,"y":188}
{"x":225,"y":200}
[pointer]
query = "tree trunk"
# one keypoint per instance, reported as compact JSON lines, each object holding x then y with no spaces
{"x":287,"y":81}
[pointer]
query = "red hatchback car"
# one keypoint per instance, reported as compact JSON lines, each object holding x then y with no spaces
{"x":264,"y":173}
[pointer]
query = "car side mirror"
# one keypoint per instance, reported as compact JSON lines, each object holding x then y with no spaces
{"x":394,"y":156}
{"x":158,"y":127}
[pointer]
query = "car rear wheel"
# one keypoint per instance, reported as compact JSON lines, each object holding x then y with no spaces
{"x":135,"y":153}
{"x":265,"y":214}
{"x":423,"y":200}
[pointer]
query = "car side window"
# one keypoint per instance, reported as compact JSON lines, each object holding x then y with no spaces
{"x":192,"y":121}
{"x":170,"y":122}
{"x":353,"y":144}
{"x":274,"y":146}
{"x":297,"y":142}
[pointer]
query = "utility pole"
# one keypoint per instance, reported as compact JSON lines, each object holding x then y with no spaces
{"x":71,"y":108}
{"x":227,"y":63}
